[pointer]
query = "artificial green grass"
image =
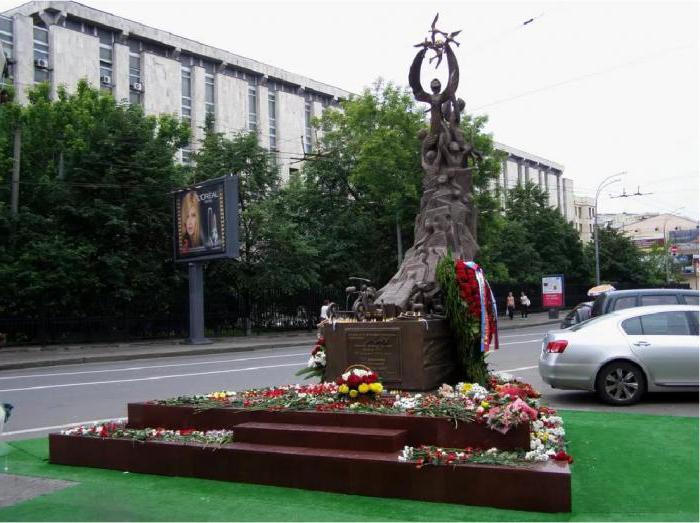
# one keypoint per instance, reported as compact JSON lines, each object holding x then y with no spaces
{"x":629,"y":467}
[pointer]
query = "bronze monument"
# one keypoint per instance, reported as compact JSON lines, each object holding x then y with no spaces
{"x":447,"y":218}
{"x":414,"y":350}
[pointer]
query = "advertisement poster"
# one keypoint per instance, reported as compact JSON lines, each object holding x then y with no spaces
{"x":553,"y":291}
{"x":202,"y":217}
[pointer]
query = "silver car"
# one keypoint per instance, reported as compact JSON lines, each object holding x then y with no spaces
{"x":625,"y":353}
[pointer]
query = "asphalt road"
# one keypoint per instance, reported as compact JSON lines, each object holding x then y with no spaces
{"x":46,"y":399}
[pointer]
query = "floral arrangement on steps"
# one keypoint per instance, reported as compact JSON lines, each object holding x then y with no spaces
{"x":316,"y":366}
{"x":471,"y":313}
{"x":118,"y":430}
{"x":359,"y":382}
{"x":500,"y":405}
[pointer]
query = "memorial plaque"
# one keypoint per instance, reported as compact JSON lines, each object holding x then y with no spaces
{"x":407,"y":354}
{"x":379,"y":349}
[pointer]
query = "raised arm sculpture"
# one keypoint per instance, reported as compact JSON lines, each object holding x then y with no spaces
{"x":447,"y":218}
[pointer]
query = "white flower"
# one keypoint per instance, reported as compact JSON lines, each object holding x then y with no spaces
{"x":491,"y":451}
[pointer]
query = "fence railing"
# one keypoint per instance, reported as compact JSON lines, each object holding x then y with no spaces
{"x":270,"y":310}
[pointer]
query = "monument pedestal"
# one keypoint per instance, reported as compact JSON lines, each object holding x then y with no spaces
{"x":415,"y":355}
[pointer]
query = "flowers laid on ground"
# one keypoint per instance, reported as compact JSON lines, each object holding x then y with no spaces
{"x":357,"y":382}
{"x":502,"y":406}
{"x":118,"y":430}
{"x":505,"y":403}
{"x":316,"y":365}
{"x":547,"y":441}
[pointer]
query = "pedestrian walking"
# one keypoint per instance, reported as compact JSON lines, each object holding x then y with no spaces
{"x":524,"y":304}
{"x":510,"y":305}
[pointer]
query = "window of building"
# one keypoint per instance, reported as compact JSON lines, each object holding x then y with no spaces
{"x":74,"y":24}
{"x":272,"y":117}
{"x":186,"y":93}
{"x":252,"y":108}
{"x":209,"y":101}
{"x":106,"y":53}
{"x":7,"y":41}
{"x":41,"y":53}
{"x":308,"y":114}
{"x":135,"y":84}
{"x":186,"y":155}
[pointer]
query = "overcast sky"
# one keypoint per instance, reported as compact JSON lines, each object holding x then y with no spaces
{"x":599,"y":87}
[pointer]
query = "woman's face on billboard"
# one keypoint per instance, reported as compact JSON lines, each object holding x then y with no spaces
{"x":191,"y":221}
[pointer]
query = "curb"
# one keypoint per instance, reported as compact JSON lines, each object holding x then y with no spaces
{"x":148,"y":355}
{"x":515,"y":326}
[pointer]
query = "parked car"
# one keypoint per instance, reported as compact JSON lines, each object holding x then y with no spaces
{"x":618,"y":300}
{"x":623,"y":354}
{"x":580,"y":313}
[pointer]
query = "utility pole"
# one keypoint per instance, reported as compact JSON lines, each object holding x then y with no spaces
{"x":14,"y":198}
{"x":399,"y":243}
{"x":606,"y":182}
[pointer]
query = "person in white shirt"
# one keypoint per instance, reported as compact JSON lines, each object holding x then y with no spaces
{"x":324,"y":309}
{"x":524,"y":304}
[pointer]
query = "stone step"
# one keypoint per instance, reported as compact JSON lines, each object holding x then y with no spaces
{"x":538,"y":486}
{"x":321,"y":436}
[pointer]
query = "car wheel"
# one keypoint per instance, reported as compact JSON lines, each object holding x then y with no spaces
{"x":620,"y":383}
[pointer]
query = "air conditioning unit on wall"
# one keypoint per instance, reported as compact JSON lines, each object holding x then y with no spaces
{"x":137,"y":86}
{"x":106,"y":79}
{"x":41,"y":63}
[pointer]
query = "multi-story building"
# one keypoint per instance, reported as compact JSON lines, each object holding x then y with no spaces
{"x":650,"y":229}
{"x":62,"y":42}
{"x":519,"y":167}
{"x":584,"y":217}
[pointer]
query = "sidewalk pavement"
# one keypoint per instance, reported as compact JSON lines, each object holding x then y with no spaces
{"x":24,"y":357}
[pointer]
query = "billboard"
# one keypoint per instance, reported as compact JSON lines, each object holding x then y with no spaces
{"x":553,"y":290}
{"x":205,"y":218}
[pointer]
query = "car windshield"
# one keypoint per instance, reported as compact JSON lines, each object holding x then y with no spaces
{"x":589,"y":322}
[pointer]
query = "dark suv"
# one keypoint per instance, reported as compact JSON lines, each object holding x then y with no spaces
{"x":617,"y":300}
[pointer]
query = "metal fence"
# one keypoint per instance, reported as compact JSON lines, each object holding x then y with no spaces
{"x":270,"y":310}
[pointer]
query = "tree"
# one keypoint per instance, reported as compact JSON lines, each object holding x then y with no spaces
{"x":94,"y":227}
{"x":621,"y":260}
{"x":534,"y":239}
{"x":274,"y":252}
{"x":367,"y":178}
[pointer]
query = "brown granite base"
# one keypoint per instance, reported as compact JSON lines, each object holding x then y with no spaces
{"x":541,"y":487}
{"x":407,"y":354}
{"x":423,"y":430}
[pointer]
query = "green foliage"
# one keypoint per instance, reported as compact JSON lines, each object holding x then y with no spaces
{"x":368,"y":178}
{"x":275,"y":253}
{"x":532,"y":239}
{"x":621,"y":260}
{"x":465,"y":328}
{"x":94,"y":223}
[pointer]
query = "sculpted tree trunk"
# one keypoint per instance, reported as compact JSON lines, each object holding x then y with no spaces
{"x":447,"y":218}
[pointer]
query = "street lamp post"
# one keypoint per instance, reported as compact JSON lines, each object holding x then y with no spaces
{"x":605,"y":183}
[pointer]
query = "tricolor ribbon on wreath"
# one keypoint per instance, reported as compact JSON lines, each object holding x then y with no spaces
{"x":485,"y":309}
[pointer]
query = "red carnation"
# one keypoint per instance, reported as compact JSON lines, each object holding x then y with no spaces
{"x":354,"y":380}
{"x":321,"y":341}
{"x":563,"y":456}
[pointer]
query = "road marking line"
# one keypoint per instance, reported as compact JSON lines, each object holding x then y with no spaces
{"x":152,"y":366}
{"x":519,"y":368}
{"x":150,"y":378}
{"x":519,"y":335}
{"x":519,"y":342}
{"x":66,"y":426}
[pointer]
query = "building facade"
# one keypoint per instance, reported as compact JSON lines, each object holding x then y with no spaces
{"x":62,"y":42}
{"x":519,"y":167}
{"x":584,"y":217}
